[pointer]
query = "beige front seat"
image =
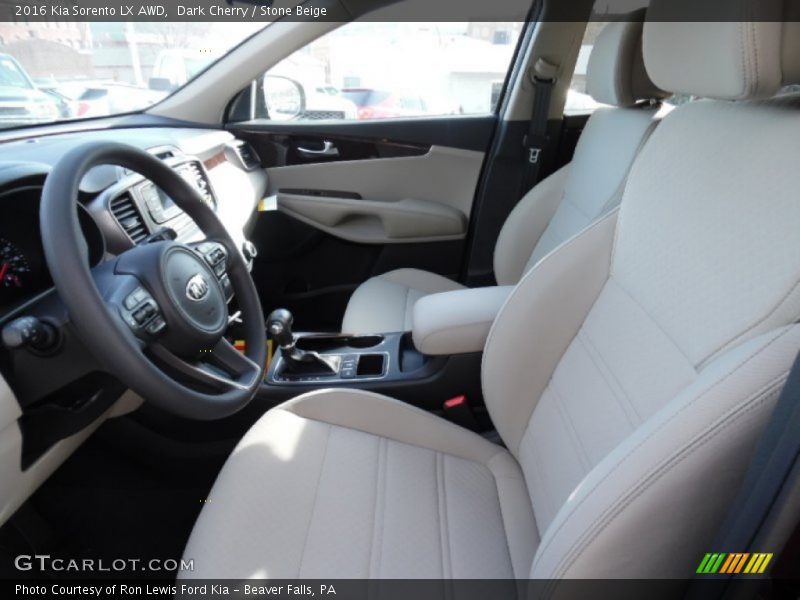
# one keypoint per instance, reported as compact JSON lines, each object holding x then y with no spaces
{"x":561,"y":205}
{"x":629,"y":375}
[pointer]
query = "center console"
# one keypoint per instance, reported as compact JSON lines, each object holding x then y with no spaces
{"x":354,"y":360}
{"x":385,"y":363}
{"x":438,"y":361}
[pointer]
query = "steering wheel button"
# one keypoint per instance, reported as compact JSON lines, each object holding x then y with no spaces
{"x":227,"y":288}
{"x":131,"y":302}
{"x":215,"y":255}
{"x":156,"y":326}
{"x":142,"y":314}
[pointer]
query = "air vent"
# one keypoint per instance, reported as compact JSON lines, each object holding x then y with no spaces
{"x":194,"y":174}
{"x":164,"y":154}
{"x":247,"y":155}
{"x":160,"y":152}
{"x":128,"y":216}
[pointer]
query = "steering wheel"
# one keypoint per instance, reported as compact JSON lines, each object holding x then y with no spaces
{"x":155,"y":315}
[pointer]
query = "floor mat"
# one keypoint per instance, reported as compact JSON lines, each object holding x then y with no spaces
{"x":106,"y":506}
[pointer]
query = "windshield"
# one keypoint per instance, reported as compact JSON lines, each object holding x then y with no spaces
{"x":69,"y":70}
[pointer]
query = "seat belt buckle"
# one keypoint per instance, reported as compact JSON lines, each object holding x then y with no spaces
{"x":458,"y":411}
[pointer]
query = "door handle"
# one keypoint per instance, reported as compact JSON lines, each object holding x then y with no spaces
{"x":328,"y":149}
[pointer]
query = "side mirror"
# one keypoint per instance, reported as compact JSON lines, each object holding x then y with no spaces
{"x":161,"y":84}
{"x":284,"y":98}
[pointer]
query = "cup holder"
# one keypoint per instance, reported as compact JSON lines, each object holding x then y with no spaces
{"x":325,"y":343}
{"x":364,"y":341}
{"x":371,"y":365}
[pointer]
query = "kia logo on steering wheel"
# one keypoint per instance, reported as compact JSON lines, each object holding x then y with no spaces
{"x":197,"y":288}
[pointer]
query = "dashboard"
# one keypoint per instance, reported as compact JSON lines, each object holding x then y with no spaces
{"x":118,"y":208}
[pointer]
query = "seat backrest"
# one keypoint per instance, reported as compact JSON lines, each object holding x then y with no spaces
{"x":591,"y":185}
{"x":632,"y":370}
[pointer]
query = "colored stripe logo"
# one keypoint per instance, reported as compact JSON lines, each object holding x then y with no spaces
{"x":734,"y":563}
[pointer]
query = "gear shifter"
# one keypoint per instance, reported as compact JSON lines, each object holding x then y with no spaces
{"x":297,"y":361}
{"x":279,"y":328}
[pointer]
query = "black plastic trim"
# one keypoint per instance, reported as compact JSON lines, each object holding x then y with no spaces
{"x":464,"y":132}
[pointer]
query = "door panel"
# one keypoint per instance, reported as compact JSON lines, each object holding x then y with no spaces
{"x":442,"y":176}
{"x":467,"y":132}
{"x":369,"y":221}
{"x":283,"y":149}
{"x":341,"y":220}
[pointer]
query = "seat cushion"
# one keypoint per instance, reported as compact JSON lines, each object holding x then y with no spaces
{"x":349,"y":484}
{"x":385,"y":303}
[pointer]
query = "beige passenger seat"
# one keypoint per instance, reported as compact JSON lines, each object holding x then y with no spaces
{"x":558,"y":207}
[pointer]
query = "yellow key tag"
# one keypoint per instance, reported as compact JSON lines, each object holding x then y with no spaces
{"x":241,"y":346}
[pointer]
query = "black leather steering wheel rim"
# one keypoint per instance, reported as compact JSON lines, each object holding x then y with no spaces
{"x":97,"y":322}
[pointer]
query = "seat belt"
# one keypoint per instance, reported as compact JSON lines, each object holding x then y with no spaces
{"x":776,"y":455}
{"x":535,"y":141}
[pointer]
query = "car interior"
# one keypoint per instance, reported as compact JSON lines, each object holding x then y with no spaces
{"x":523,"y":344}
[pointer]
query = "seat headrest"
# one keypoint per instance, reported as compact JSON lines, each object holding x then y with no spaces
{"x":745,"y":52}
{"x":615,"y":74}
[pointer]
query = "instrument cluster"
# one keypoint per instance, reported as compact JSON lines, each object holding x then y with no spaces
{"x":23,"y":269}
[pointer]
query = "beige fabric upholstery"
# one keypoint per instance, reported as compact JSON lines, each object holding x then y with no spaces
{"x":673,"y":475}
{"x":346,"y":484}
{"x":728,"y":59}
{"x":437,"y":329}
{"x":629,"y":375}
{"x":666,"y":368}
{"x":545,"y":312}
{"x":527,"y":223}
{"x":558,"y":207}
{"x":615,"y":74}
{"x":592,"y":185}
{"x":385,"y":303}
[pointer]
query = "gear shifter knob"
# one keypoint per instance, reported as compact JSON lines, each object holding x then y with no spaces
{"x":279,"y":327}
